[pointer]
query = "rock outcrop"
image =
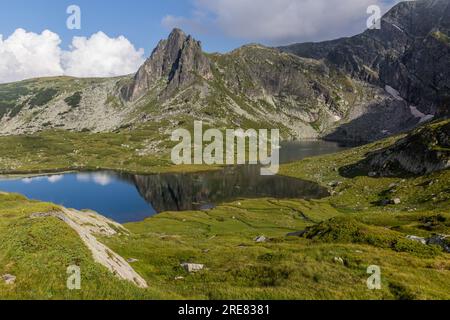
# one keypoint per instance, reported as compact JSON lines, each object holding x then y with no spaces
{"x":88,"y":225}
{"x":176,"y":62}
{"x":410,"y":53}
{"x":425,"y":150}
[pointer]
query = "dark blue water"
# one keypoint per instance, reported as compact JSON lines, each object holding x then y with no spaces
{"x":102,"y":192}
{"x":129,"y":198}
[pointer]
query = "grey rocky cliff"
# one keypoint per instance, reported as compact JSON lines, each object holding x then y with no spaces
{"x":176,"y":61}
{"x":423,"y":151}
{"x":410,"y":53}
{"x":252,"y":86}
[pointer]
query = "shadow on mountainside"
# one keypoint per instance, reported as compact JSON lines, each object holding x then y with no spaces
{"x":425,"y":150}
{"x":380,"y":120}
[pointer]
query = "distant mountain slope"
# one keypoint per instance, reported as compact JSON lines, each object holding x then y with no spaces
{"x":358,"y":89}
{"x":411,"y":53}
{"x":425,"y":150}
{"x":251,"y":87}
{"x":60,"y":103}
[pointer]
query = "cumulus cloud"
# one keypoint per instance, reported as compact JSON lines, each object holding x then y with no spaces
{"x":280,"y":21}
{"x":25,"y":55}
{"x":101,"y":56}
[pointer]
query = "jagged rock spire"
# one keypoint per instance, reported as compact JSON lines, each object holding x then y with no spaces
{"x":177,"y":60}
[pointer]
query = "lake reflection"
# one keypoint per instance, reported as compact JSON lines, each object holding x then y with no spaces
{"x":129,"y":198}
{"x":181,"y":192}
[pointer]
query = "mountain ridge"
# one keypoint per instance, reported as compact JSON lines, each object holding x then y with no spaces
{"x":330,"y":93}
{"x":408,"y":53}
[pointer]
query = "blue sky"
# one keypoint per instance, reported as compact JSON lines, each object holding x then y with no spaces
{"x":117,"y":36}
{"x":138,"y":20}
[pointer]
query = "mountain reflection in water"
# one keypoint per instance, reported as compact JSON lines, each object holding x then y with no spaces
{"x":130,"y":198}
{"x":181,"y":192}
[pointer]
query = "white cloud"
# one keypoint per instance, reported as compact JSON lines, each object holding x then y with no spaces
{"x":101,"y":56}
{"x":196,"y":23}
{"x":25,"y":55}
{"x":280,"y":21}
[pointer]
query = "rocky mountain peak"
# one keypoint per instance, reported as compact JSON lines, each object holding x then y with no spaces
{"x":409,"y":53}
{"x":177,"y":61}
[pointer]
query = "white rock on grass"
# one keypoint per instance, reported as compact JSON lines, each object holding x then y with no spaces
{"x":192,"y":267}
{"x":9,"y":279}
{"x":260,"y":239}
{"x":338,"y":260}
{"x":417,"y":239}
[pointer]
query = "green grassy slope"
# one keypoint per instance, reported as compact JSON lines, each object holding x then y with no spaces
{"x":52,"y":151}
{"x":282,"y":268}
{"x":39,"y":251}
{"x":351,"y":225}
